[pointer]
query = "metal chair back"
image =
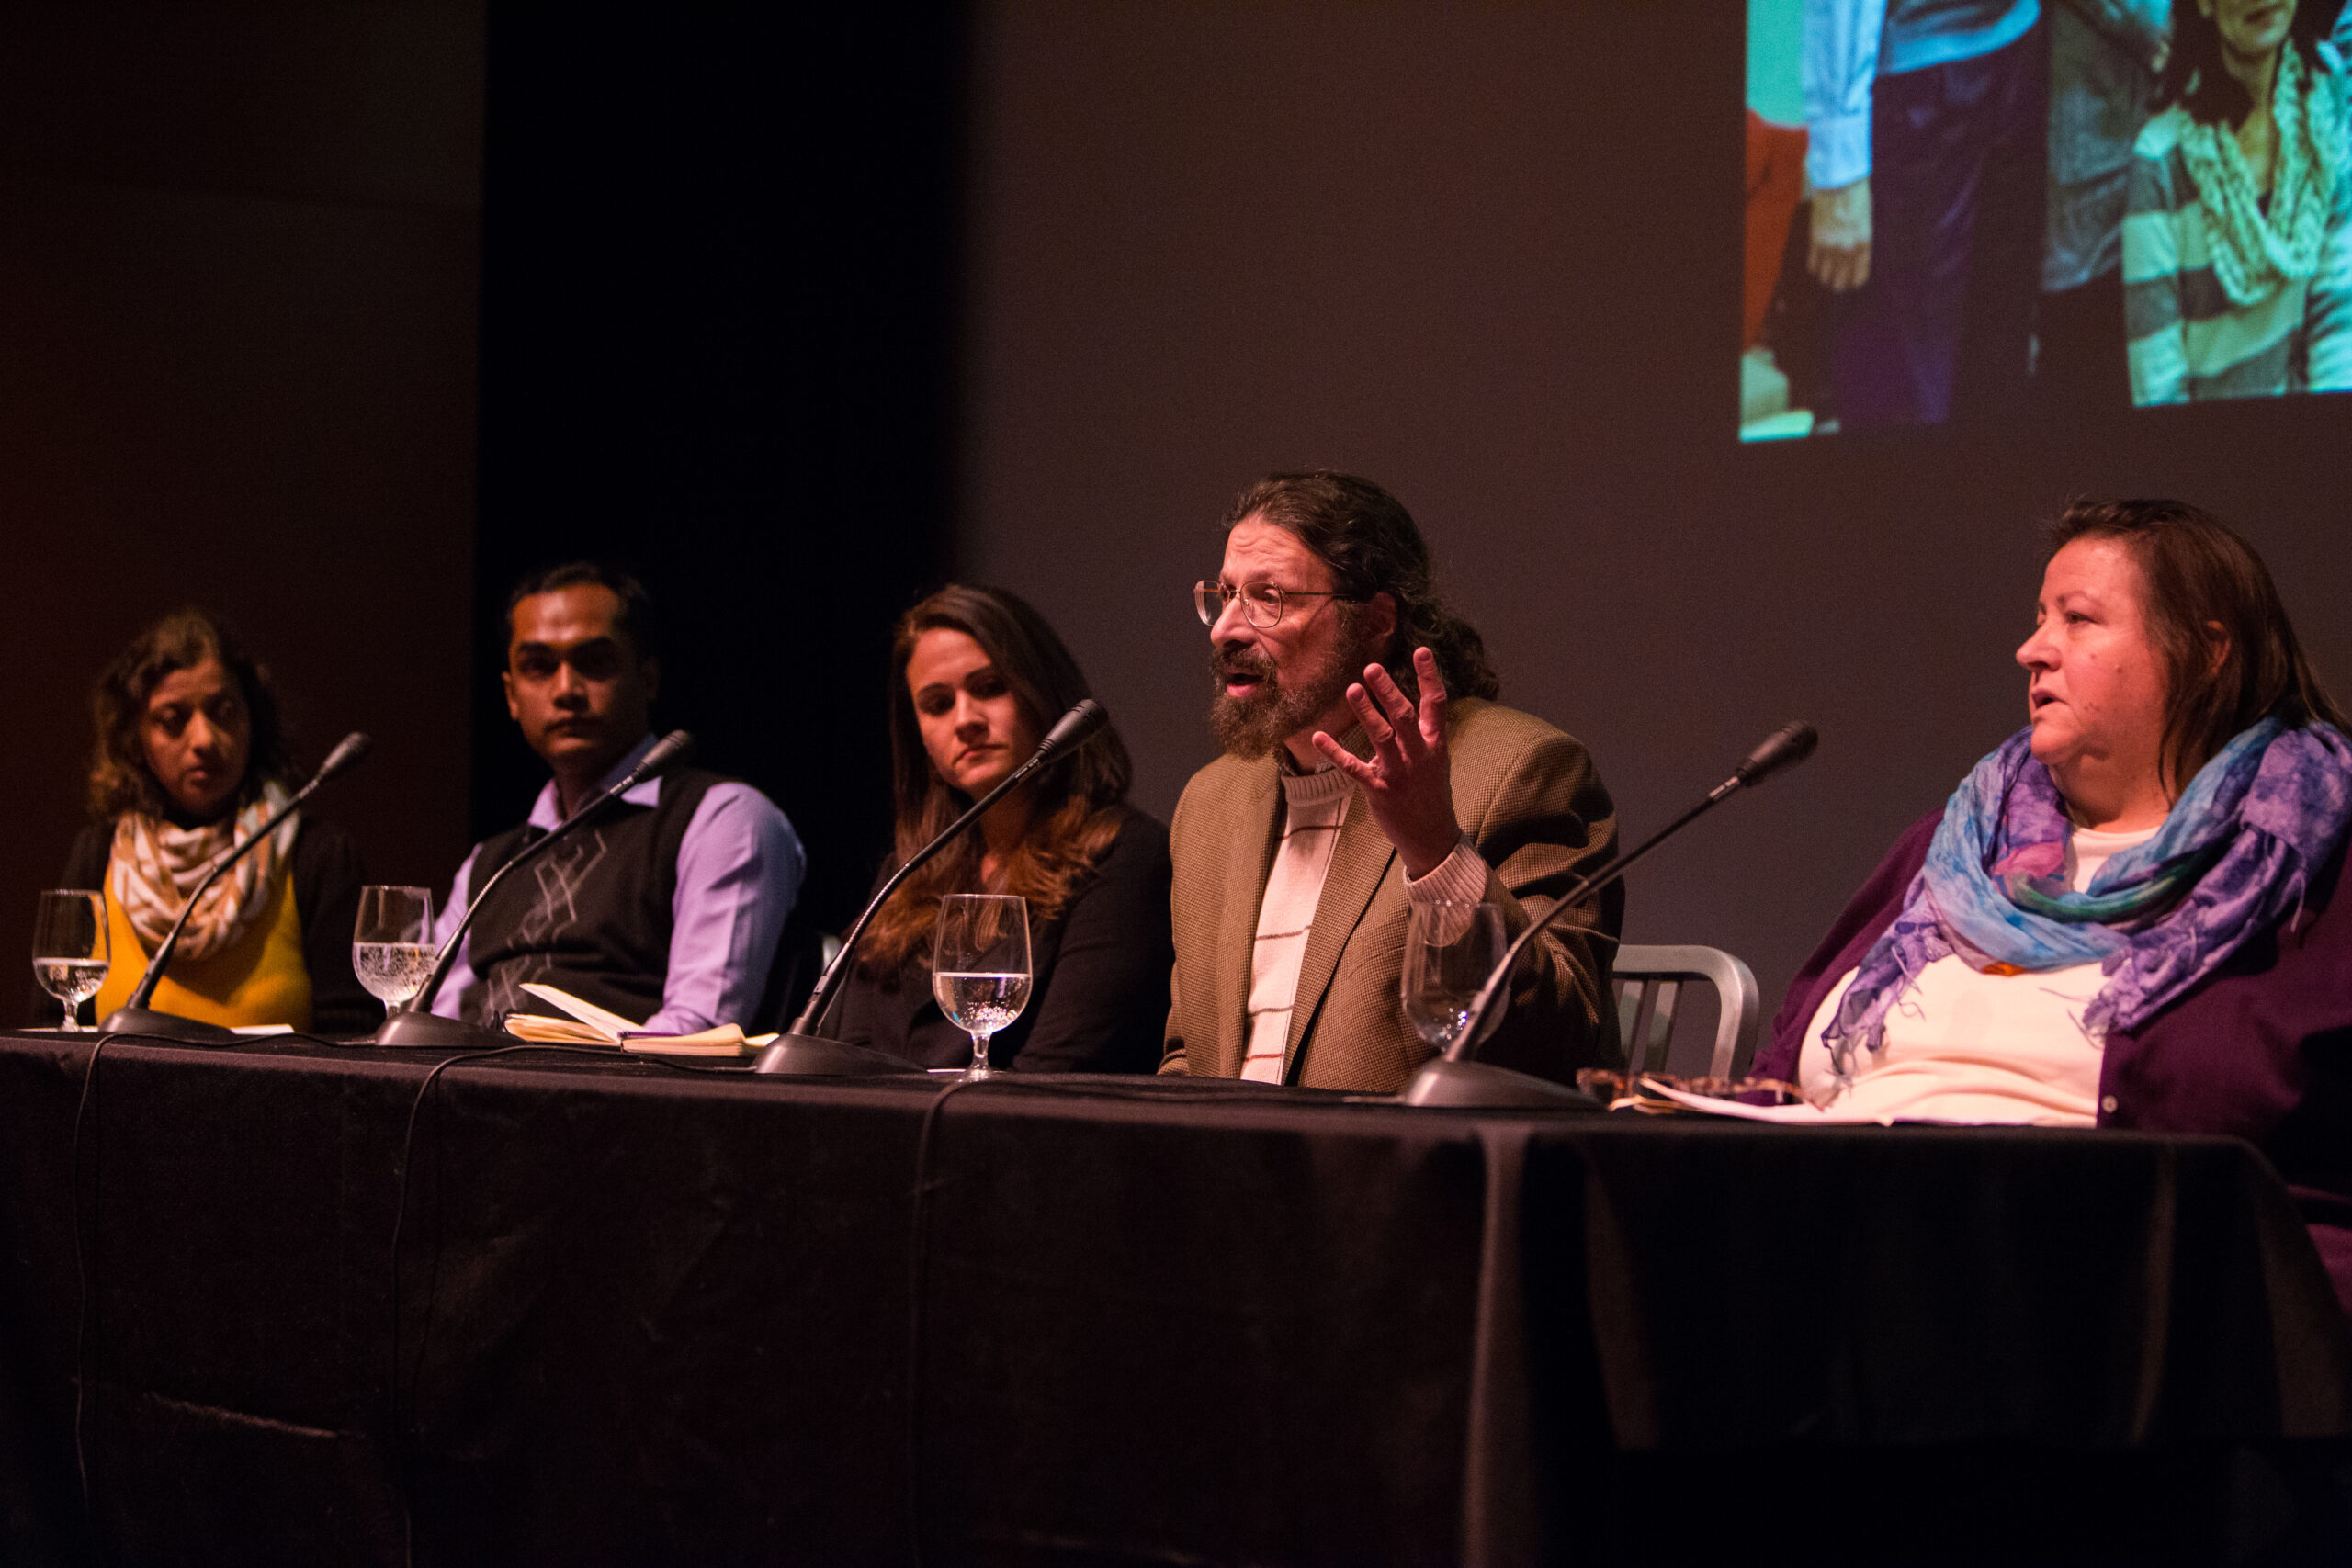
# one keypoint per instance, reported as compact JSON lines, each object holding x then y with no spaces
{"x":1649,"y":984}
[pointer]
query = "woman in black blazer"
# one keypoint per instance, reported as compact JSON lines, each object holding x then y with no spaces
{"x":978,"y":676}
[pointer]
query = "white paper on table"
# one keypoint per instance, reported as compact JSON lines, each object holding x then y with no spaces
{"x":589,"y":1013}
{"x":1801,"y":1114}
{"x":253,"y":1031}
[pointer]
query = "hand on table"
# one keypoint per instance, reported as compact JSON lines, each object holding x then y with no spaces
{"x":1408,"y":779}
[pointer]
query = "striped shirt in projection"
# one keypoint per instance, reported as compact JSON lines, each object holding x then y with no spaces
{"x":2229,"y":291}
{"x":1314,"y":804}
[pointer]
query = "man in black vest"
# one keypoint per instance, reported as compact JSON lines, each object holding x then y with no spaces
{"x":667,"y":908}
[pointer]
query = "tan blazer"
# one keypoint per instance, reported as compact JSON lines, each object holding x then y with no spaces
{"x":1527,"y":797}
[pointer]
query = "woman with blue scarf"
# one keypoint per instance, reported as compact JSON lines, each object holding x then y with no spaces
{"x":2126,"y":915}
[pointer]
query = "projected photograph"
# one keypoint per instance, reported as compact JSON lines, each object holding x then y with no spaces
{"x":1959,"y":208}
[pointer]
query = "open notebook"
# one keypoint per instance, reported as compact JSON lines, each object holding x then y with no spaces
{"x":588,"y":1024}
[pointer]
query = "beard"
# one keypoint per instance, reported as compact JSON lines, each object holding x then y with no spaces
{"x":1253,"y":726}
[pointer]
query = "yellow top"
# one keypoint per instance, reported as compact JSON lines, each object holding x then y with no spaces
{"x":259,"y":978}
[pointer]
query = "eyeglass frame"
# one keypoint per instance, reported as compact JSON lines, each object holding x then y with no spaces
{"x":1224,"y":595}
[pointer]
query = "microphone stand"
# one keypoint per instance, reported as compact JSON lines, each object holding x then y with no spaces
{"x":801,"y":1050}
{"x":135,"y":1017}
{"x":1454,"y":1079}
{"x":411,"y":1024}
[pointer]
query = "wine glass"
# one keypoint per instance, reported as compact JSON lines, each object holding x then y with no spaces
{"x":392,"y":945}
{"x":1450,"y":949}
{"x":979,"y":966}
{"x":70,"y":948}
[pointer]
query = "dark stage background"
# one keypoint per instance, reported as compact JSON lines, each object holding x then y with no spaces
{"x":801,"y":314}
{"x":717,"y":289}
{"x":238,"y":269}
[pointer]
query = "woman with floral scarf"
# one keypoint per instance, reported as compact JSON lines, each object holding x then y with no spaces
{"x":2237,"y":247}
{"x":189,"y":757}
{"x":2128,"y":915}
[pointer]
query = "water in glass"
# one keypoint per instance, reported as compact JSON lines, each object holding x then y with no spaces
{"x":1450,"y":949}
{"x":70,"y":948}
{"x":979,"y":966}
{"x":392,"y":945}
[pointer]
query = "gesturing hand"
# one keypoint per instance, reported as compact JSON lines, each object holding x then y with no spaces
{"x":1409,"y":778}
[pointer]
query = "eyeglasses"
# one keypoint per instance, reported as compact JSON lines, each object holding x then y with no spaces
{"x":1262,"y":603}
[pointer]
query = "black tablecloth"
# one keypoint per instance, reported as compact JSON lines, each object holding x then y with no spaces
{"x":646,"y":1316}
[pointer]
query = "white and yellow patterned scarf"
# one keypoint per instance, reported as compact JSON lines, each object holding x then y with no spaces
{"x":155,"y":866}
{"x":2257,"y":251}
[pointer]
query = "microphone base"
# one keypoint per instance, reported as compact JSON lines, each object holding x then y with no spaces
{"x":811,"y":1056}
{"x":404,"y":1029}
{"x":1475,"y":1086}
{"x":167,"y":1026}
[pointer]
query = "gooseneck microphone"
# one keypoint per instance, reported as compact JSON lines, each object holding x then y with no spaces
{"x":801,"y":1050}
{"x":1454,"y":1079}
{"x":412,"y":1023}
{"x":135,"y":1017}
{"x":1784,"y":748}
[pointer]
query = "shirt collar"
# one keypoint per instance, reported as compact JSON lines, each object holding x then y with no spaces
{"x":544,"y":810}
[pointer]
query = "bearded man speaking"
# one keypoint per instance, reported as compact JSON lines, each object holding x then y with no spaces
{"x":1367,"y":768}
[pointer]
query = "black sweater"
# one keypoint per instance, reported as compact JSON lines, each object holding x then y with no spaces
{"x":1098,"y":998}
{"x":327,"y":878}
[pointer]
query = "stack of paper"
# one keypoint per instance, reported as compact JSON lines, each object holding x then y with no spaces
{"x":1800,"y":1114}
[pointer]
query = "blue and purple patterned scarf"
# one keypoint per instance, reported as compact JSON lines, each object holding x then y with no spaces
{"x":2236,"y":851}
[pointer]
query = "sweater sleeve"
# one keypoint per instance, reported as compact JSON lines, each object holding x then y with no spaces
{"x":1106,"y":1003}
{"x":327,"y":878}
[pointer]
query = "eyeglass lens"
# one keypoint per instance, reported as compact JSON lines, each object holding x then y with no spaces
{"x":1262,"y":603}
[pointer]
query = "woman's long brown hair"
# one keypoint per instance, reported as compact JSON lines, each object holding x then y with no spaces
{"x":1075,"y":812}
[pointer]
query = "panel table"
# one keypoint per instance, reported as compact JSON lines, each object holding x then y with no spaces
{"x":638,"y":1314}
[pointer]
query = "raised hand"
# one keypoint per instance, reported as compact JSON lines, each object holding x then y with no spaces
{"x":1409,"y":778}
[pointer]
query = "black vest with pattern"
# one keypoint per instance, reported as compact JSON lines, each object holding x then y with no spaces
{"x":591,"y":916}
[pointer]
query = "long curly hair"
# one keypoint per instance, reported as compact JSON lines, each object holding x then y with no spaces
{"x":1373,"y":546}
{"x":119,"y":781}
{"x":1077,"y":812}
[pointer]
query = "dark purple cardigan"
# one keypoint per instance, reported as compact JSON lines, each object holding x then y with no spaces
{"x":2260,"y":1050}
